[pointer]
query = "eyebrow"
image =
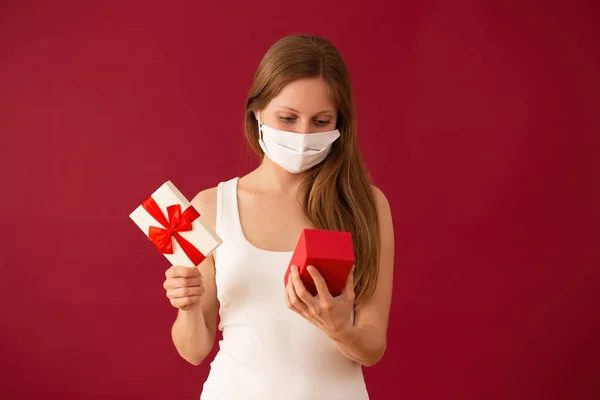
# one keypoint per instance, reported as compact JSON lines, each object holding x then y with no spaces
{"x":298,"y":112}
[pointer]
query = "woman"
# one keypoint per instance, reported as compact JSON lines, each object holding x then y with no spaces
{"x":281,"y":342}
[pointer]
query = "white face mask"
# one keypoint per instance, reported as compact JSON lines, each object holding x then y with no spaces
{"x":295,"y":152}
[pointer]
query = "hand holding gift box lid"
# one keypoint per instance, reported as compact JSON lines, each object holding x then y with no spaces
{"x":175,"y":227}
{"x":330,"y":252}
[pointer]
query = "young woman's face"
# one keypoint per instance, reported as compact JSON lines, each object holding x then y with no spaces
{"x":303,"y":106}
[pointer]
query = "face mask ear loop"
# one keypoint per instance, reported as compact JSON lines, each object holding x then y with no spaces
{"x":260,"y":134}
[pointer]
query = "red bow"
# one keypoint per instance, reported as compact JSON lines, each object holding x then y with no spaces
{"x":177,"y":222}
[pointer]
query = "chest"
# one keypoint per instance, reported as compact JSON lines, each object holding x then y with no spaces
{"x":271,"y":222}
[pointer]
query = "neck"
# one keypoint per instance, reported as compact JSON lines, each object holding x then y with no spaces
{"x":277,"y":179}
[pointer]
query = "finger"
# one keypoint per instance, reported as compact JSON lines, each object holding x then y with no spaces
{"x":297,"y":304}
{"x":300,"y":289}
{"x":298,"y":308}
{"x":287,"y":297}
{"x":185,"y":292}
{"x":177,"y":271}
{"x":349,"y":288}
{"x":320,"y":283}
{"x":185,"y":302}
{"x":174,"y":283}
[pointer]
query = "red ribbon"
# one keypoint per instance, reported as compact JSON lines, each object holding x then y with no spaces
{"x":177,"y":222}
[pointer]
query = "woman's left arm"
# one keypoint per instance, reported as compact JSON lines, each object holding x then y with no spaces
{"x":365,"y":341}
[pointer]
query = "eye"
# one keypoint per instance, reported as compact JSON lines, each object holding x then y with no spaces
{"x":287,"y":120}
{"x":322,"y":122}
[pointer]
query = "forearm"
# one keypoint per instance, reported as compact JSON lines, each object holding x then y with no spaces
{"x":191,"y":337}
{"x":365,"y":345}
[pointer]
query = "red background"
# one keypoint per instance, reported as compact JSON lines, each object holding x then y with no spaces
{"x":479,"y":120}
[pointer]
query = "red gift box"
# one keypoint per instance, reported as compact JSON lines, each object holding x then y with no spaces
{"x":330,"y":252}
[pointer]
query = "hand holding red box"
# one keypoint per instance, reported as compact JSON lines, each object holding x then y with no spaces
{"x":330,"y":252}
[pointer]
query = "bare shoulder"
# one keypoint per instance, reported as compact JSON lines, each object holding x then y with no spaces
{"x":383,"y":205}
{"x":206,"y":197}
{"x":206,"y":204}
{"x":386,"y":225}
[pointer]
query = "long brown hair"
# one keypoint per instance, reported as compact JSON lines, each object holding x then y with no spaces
{"x":338,"y":191}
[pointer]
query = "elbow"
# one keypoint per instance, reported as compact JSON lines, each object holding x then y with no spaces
{"x":195,"y":360}
{"x":195,"y":363}
{"x":371,"y":362}
{"x":195,"y":357}
{"x":375,"y":356}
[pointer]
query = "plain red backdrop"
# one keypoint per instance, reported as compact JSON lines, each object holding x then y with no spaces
{"x":479,"y":120}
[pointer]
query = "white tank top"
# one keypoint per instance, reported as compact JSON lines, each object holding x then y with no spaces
{"x":267,"y":351}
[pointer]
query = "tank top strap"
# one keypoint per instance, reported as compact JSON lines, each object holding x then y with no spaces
{"x":226,"y":218}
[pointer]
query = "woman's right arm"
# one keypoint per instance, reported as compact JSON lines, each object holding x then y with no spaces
{"x":194,"y":330}
{"x":193,"y":291}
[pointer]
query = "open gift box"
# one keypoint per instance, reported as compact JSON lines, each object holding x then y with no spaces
{"x":330,"y":252}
